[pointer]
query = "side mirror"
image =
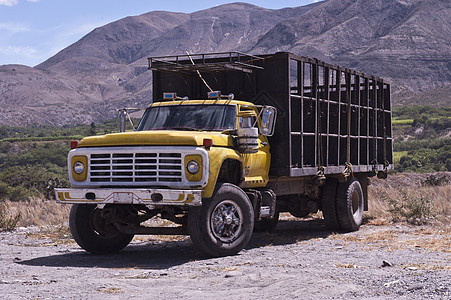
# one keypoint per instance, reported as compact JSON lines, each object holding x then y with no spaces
{"x":121,"y":114}
{"x":268,"y":120}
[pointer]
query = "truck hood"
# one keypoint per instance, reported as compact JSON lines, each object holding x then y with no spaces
{"x":157,"y":137}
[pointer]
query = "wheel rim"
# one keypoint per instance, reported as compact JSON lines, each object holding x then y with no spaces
{"x":356,"y":206}
{"x":101,"y":226}
{"x":226,"y":221}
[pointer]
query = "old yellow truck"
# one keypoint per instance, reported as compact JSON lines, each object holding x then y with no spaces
{"x":303,"y":136}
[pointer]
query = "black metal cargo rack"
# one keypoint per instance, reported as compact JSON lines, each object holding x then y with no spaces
{"x":221,"y":61}
{"x":330,"y":117}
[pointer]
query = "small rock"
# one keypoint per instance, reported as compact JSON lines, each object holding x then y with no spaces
{"x":412,"y":268}
{"x":233,"y":274}
{"x":415,"y":287}
{"x":386,"y":264}
{"x":389,"y":284}
{"x":17,"y":259}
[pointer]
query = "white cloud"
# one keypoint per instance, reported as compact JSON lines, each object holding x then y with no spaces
{"x":9,"y":2}
{"x":13,"y":2}
{"x":24,"y":52}
{"x":14,"y":27}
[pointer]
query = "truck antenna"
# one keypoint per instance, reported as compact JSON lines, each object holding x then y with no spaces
{"x":198,"y":72}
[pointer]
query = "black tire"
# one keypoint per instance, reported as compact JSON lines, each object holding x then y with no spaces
{"x":329,"y":205}
{"x":350,"y":202}
{"x":93,"y":232}
{"x":267,"y":225}
{"x":223,"y":224}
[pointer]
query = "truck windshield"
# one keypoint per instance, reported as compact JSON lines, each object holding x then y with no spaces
{"x":189,"y":117}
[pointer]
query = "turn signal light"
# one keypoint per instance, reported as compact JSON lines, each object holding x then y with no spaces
{"x":208,"y":143}
{"x":73,"y":144}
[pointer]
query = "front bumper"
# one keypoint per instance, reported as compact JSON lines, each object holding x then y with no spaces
{"x":130,"y":196}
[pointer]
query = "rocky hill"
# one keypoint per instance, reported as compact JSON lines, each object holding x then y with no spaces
{"x":405,"y":41}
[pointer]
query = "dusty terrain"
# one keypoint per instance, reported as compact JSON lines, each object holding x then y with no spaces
{"x":300,"y":260}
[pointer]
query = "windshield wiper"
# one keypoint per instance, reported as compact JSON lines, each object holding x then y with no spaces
{"x":185,"y":128}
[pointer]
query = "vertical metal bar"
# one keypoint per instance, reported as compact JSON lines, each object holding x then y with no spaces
{"x":155,"y":82}
{"x":357,"y":90}
{"x":327,"y":89}
{"x":290,"y":144}
{"x":301,"y":86}
{"x":391,"y":126}
{"x":339,"y":114}
{"x":318,"y":113}
{"x":367,"y":95}
{"x":384,"y":141}
{"x":375,"y":120}
{"x":348,"y":100}
{"x":298,"y":92}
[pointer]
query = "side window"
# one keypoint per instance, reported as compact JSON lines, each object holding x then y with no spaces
{"x":247,"y":122}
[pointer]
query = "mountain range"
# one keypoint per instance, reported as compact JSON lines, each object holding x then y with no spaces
{"x":407,"y":42}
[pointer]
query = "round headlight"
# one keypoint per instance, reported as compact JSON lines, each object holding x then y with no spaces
{"x":79,"y":167}
{"x":193,"y":167}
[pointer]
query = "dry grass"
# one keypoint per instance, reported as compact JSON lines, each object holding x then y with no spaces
{"x":401,"y":199}
{"x":38,"y":212}
{"x":385,"y":199}
{"x":347,"y":266}
{"x":435,"y":238}
{"x":109,"y":290}
{"x":382,"y":194}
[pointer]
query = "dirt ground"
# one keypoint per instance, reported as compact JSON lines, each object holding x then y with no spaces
{"x":300,"y":260}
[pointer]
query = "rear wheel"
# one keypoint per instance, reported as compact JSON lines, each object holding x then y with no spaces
{"x":350,"y":202}
{"x":93,"y":230}
{"x":328,"y":204}
{"x":223,"y":224}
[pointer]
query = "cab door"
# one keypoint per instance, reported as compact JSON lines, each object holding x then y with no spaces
{"x":257,"y":158}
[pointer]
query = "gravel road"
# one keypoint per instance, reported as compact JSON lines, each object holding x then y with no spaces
{"x":300,"y":260}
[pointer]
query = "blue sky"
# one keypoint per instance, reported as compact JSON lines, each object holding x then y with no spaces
{"x":33,"y":30}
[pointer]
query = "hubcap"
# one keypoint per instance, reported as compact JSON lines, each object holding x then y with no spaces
{"x":226,"y":221}
{"x":101,"y":223}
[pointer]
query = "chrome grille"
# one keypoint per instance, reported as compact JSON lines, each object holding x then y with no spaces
{"x":153,"y":167}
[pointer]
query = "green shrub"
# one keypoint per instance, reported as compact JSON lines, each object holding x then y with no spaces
{"x":4,"y":190}
{"x":33,"y":160}
{"x":436,"y":180}
{"x":416,"y":112}
{"x":20,"y":193}
{"x":23,"y":182}
{"x":425,"y":160}
{"x":415,"y":209}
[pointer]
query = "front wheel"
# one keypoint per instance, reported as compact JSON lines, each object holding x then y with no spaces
{"x":94,"y":231}
{"x":223,"y":224}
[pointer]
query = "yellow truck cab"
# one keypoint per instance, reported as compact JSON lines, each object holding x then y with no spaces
{"x":220,"y":168}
